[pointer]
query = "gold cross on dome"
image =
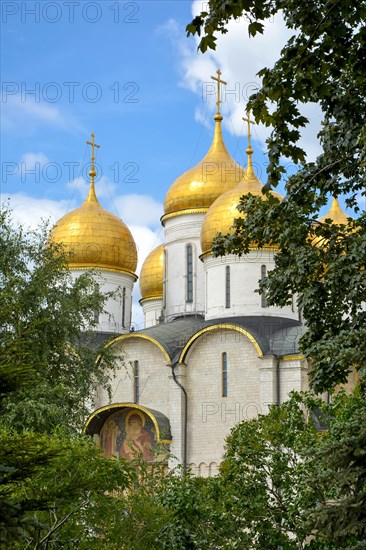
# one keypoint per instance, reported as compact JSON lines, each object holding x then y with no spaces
{"x":93,"y":144}
{"x":219,"y":81}
{"x":247,"y":119}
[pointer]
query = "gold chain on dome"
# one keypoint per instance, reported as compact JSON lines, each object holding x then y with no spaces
{"x":92,"y":171}
{"x":249,"y":151}
{"x":217,"y":79}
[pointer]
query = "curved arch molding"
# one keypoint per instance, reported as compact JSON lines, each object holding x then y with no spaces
{"x":221,"y":326}
{"x":144,"y":337}
{"x":161,"y":423}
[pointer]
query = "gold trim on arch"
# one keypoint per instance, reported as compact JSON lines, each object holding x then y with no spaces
{"x":182,"y":212}
{"x":295,"y":357}
{"x":127,"y":406}
{"x":224,"y":326}
{"x":145,"y":337}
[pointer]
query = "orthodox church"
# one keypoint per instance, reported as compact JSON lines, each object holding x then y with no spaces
{"x":212,"y":352}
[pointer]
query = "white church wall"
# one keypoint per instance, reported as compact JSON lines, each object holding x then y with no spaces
{"x":268,"y":388}
{"x":210,"y":415}
{"x":245,"y":273}
{"x":152,"y":310}
{"x":153,"y":376}
{"x":293,"y":373}
{"x":181,"y":231}
{"x":109,"y":281}
{"x":176,"y":415}
{"x":294,"y":376}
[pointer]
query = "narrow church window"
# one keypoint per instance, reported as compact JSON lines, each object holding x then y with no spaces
{"x":189,"y":294}
{"x":136,"y":381}
{"x":123,"y":307}
{"x":227,"y":287}
{"x":263,"y":295}
{"x":224,"y":374}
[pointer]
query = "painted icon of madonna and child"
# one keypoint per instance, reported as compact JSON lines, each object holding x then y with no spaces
{"x":128,"y":433}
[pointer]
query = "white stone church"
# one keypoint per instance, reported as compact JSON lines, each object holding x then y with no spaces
{"x":212,"y":352}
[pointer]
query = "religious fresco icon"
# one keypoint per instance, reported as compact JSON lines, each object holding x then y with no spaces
{"x":128,"y":433}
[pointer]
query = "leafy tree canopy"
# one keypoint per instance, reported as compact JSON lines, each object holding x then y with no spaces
{"x":282,"y":484}
{"x":57,"y":489}
{"x":46,"y":323}
{"x":287,"y":485}
{"x":321,"y":63}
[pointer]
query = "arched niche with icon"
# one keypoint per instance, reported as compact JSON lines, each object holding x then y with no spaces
{"x":130,"y":431}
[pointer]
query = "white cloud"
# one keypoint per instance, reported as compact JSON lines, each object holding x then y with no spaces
{"x":32,"y":164}
{"x":20,"y":112}
{"x":202,"y":117}
{"x":146,"y":240}
{"x":30,"y":211}
{"x":139,"y":210}
{"x":30,"y":160}
{"x":239,"y":57}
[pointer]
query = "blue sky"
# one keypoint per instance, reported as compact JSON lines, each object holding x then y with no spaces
{"x":118,"y":77}
{"x":127,"y":72}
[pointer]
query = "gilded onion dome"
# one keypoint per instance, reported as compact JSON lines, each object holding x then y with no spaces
{"x":199,"y":187}
{"x":94,"y":237}
{"x":220,"y":216}
{"x":152,"y":273}
{"x":336,"y":214}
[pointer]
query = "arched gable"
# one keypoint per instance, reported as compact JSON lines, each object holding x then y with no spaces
{"x":132,"y":335}
{"x":220,"y":326}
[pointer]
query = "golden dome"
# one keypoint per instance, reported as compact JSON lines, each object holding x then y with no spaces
{"x":336,"y":214}
{"x":152,"y":273}
{"x":95,"y":238}
{"x":220,"y":216}
{"x":199,"y":187}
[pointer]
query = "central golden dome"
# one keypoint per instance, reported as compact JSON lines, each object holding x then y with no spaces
{"x":220,"y":216}
{"x":152,"y":273}
{"x":95,"y":238}
{"x":199,"y":187}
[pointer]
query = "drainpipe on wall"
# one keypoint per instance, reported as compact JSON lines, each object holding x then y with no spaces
{"x":185,"y":432}
{"x":278,"y":378}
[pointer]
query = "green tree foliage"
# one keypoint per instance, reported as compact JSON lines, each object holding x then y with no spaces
{"x":285,"y":485}
{"x":321,"y":63}
{"x":46,"y":321}
{"x":170,"y":510}
{"x":341,"y":472}
{"x":282,"y":484}
{"x":57,"y":489}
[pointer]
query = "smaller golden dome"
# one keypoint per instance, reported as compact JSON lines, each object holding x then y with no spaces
{"x":199,"y":187}
{"x":220,"y":216}
{"x":95,"y":238}
{"x":336,"y":214}
{"x":152,"y":273}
